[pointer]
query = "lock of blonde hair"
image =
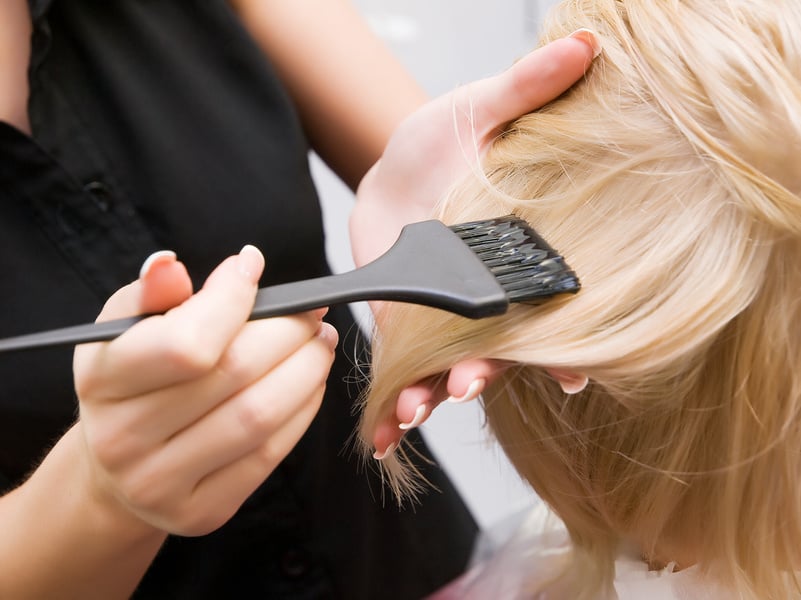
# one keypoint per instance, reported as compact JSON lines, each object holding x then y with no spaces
{"x":669,"y":178}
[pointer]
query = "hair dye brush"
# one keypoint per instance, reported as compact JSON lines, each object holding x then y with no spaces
{"x":473,"y":269}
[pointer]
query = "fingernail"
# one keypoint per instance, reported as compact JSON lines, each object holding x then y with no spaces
{"x":329,"y":335}
{"x":575,"y":384}
{"x":589,"y":37}
{"x":388,"y":452}
{"x":156,"y":257}
{"x":251,"y":262}
{"x":419,"y":417}
{"x":472,"y":392}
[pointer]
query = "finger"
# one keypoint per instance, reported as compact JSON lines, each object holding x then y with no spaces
{"x":386,"y":439}
{"x":218,"y":310}
{"x":571,"y":382}
{"x":255,"y":352}
{"x":165,"y":283}
{"x":468,"y":378}
{"x":187,"y":340}
{"x":531,"y":82}
{"x":158,"y":486}
{"x":220,"y":494}
{"x":415,"y":403}
{"x":262,"y":410}
{"x":131,"y":428}
{"x":465,"y":381}
{"x":413,"y":406}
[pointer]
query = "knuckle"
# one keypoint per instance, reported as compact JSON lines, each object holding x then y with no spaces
{"x":145,"y":490}
{"x":235,"y":363}
{"x":87,"y":385}
{"x":189,"y":352}
{"x":269,"y":456}
{"x":111,"y":446}
{"x":255,"y":415}
{"x":90,"y":372}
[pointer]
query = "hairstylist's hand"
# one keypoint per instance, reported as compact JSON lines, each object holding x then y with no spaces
{"x":430,"y":151}
{"x":441,"y":142}
{"x":187,"y":413}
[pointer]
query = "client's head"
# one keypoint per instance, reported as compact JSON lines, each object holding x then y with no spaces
{"x":669,"y":178}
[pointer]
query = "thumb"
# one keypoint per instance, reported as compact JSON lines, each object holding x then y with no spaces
{"x":163,"y":283}
{"x":532,"y":81}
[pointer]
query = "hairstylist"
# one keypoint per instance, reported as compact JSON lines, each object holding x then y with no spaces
{"x":129,"y":127}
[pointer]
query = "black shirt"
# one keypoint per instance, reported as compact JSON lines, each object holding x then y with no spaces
{"x":160,"y":124}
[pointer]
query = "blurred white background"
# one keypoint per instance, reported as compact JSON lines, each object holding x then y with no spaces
{"x":446,"y":43}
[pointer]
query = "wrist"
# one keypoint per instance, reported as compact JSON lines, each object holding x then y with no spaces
{"x":65,"y":536}
{"x":109,"y":515}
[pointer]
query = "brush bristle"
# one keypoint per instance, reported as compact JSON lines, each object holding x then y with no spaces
{"x":522,"y":262}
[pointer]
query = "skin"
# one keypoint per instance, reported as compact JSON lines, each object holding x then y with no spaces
{"x":180,"y":450}
{"x":309,"y":42}
{"x":15,"y":30}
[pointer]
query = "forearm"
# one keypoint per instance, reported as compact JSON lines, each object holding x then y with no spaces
{"x":61,"y":541}
{"x":15,"y":35}
{"x":350,"y":90}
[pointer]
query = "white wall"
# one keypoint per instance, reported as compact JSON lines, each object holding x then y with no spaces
{"x":445,"y":43}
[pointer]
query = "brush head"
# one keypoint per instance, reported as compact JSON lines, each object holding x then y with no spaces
{"x":524,"y":264}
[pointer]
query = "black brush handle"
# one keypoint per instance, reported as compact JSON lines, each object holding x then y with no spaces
{"x":429,"y":265}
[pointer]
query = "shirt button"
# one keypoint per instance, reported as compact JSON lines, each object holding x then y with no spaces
{"x":294,"y":564}
{"x":100,"y":193}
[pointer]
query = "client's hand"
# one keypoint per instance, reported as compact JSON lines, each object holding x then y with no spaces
{"x":186,"y":413}
{"x":440,"y":143}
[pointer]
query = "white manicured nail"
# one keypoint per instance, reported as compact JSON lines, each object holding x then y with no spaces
{"x":589,"y":37}
{"x":574,"y":384}
{"x":251,"y":262}
{"x":382,"y":455}
{"x":419,"y":417}
{"x":153,"y":259}
{"x":472,"y":392}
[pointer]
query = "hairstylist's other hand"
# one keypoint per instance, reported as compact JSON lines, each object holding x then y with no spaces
{"x":432,"y":150}
{"x":464,"y":382}
{"x":185,"y":414}
{"x":441,"y":142}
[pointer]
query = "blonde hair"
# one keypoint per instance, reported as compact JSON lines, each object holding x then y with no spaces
{"x":669,"y":178}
